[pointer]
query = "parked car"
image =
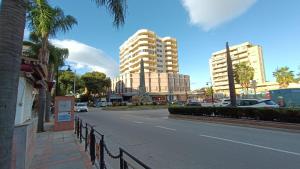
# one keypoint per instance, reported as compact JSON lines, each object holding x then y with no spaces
{"x":256,"y":103}
{"x":81,"y":107}
{"x":193,"y":104}
{"x":225,"y":103}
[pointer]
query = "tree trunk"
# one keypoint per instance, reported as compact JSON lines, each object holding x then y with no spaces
{"x":42,"y":108}
{"x":48,"y":103}
{"x":230,"y":77}
{"x":12,"y":24}
{"x":43,"y":56}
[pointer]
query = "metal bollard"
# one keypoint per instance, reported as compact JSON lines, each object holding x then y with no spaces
{"x":121,"y":159}
{"x":86,"y":136}
{"x":80,"y":131}
{"x":92,"y":146}
{"x":102,"y":165}
{"x":77,"y":127}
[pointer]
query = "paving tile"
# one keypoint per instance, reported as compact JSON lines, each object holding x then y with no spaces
{"x":59,"y":150}
{"x":74,"y":164}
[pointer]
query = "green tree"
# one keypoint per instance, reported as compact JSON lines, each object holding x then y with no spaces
{"x":12,"y":25}
{"x":243,"y":74}
{"x":284,"y":76}
{"x":96,"y":82}
{"x":208,"y":91}
{"x":66,"y":83}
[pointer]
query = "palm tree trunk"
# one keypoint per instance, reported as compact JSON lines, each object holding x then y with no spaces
{"x":12,"y":24}
{"x":43,"y":56}
{"x":42,"y":108}
{"x":48,"y":103}
{"x":230,"y":77}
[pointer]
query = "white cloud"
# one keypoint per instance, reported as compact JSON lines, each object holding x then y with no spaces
{"x":86,"y":56}
{"x":209,"y":14}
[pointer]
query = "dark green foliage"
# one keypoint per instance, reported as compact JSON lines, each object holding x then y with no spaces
{"x":267,"y":114}
{"x":96,"y":82}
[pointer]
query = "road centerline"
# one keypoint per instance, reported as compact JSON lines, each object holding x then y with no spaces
{"x":138,"y":122}
{"x":253,"y":145}
{"x":166,"y":128}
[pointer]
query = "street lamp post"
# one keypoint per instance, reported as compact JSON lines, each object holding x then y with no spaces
{"x":212,"y":92}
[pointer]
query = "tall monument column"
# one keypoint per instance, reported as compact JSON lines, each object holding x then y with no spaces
{"x":142,"y":88}
{"x":143,"y":96}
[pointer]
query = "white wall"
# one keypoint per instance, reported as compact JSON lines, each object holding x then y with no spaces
{"x":24,"y":101}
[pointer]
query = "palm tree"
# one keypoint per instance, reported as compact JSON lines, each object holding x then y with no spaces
{"x":12,"y":25}
{"x":46,"y":21}
{"x":243,"y":74}
{"x":57,"y":57}
{"x":284,"y":76}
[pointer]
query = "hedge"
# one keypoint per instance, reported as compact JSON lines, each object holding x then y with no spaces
{"x":267,"y":114}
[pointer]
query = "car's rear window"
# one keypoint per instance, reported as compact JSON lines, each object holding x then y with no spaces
{"x":80,"y":104}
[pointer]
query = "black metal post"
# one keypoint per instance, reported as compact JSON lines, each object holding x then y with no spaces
{"x":77,"y":127}
{"x":121,"y":159}
{"x":75,"y":123}
{"x":102,"y":165}
{"x":80,"y":131}
{"x":125,"y":165}
{"x":86,"y":136}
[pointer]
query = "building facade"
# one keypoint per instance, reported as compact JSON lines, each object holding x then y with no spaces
{"x":160,"y":56}
{"x":160,"y":86}
{"x":245,"y":52}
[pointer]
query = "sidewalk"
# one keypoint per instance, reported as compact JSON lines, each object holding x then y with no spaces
{"x":59,"y":150}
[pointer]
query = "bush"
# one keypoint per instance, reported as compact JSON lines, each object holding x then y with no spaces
{"x":268,"y":114}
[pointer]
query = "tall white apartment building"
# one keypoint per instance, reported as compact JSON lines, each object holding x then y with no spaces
{"x":245,"y":52}
{"x":159,"y":54}
{"x":162,"y":80}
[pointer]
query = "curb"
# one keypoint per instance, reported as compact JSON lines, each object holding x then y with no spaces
{"x":289,"y":127}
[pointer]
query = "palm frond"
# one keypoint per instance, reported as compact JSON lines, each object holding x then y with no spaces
{"x":61,"y":22}
{"x":117,"y":8}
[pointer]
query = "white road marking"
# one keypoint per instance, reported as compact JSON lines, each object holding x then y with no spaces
{"x":166,"y":128}
{"x":253,"y":145}
{"x":138,"y":122}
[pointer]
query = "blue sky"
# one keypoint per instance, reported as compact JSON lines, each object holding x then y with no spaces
{"x":200,"y":26}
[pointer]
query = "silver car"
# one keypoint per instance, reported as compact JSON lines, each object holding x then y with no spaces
{"x":81,"y":107}
{"x":257,"y":103}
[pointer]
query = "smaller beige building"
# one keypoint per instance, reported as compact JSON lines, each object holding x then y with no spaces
{"x":160,"y":86}
{"x":245,"y":52}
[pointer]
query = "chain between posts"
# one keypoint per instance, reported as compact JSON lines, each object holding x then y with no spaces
{"x":98,"y":150}
{"x":110,"y":154}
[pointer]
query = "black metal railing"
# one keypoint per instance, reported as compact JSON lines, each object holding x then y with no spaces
{"x":94,"y":143}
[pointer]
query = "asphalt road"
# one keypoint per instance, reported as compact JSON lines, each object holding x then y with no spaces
{"x":164,"y":143}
